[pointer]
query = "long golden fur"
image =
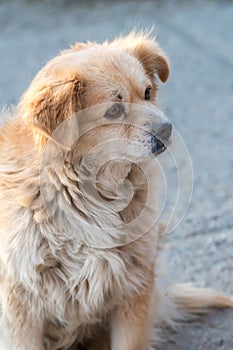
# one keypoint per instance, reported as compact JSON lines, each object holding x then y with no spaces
{"x":65,"y":282}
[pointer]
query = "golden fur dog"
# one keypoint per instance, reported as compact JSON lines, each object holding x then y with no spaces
{"x":78,"y":267}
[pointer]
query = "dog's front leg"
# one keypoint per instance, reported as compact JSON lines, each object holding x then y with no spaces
{"x":22,"y":339}
{"x":18,"y":329}
{"x":131,"y":323}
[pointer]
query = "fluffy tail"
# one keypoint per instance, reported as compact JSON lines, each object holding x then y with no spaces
{"x":192,"y":300}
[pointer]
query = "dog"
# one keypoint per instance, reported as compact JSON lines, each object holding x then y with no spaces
{"x":80,"y":245}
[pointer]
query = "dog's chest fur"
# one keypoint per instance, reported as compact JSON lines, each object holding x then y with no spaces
{"x":85,"y":284}
{"x":75,"y":288}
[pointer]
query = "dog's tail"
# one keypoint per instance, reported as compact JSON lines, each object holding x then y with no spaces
{"x":191,"y":300}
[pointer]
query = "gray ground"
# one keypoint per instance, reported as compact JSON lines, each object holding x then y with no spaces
{"x":197,"y":36}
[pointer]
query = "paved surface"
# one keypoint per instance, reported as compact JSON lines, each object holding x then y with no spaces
{"x":197,"y":36}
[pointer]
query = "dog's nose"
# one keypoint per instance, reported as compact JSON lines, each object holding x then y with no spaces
{"x":163,"y":131}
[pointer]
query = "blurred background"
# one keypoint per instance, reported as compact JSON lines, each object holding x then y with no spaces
{"x":198,"y":98}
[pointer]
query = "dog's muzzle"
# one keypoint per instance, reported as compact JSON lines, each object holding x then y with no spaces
{"x":160,"y":137}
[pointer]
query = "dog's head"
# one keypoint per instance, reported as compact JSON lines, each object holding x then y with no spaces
{"x":98,"y":101}
{"x":115,"y":84}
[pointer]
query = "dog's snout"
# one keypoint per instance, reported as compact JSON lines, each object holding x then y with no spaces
{"x":163,"y":131}
{"x":160,"y":136}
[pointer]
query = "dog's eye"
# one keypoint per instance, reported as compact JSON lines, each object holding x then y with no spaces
{"x":115,"y":111}
{"x":147,"y":93}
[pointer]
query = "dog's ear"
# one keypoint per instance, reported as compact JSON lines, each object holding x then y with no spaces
{"x":53,"y":96}
{"x":48,"y":106}
{"x":148,"y":52}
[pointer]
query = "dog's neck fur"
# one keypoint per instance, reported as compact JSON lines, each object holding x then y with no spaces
{"x":94,"y":207}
